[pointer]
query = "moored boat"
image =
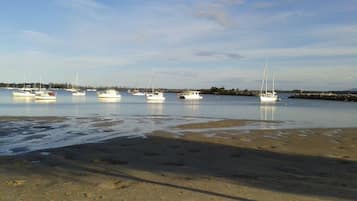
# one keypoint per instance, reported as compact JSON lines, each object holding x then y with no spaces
{"x":79,"y":93}
{"x":23,"y":93}
{"x":109,"y":93}
{"x":45,"y":95}
{"x":155,"y":96}
{"x":190,"y":95}
{"x":266,"y":96}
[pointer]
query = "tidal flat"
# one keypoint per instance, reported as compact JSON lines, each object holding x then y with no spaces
{"x":202,"y":163}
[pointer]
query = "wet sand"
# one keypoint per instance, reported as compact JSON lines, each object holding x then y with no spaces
{"x":231,"y":164}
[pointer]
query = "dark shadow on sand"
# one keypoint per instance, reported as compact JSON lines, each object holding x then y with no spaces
{"x":298,"y":174}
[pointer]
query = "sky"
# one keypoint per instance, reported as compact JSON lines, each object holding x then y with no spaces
{"x":306,"y":44}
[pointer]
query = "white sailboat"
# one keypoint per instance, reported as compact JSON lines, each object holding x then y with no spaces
{"x":45,"y":95}
{"x":23,"y":92}
{"x":266,"y":96}
{"x":155,"y":96}
{"x":136,"y":92}
{"x":76,"y":91}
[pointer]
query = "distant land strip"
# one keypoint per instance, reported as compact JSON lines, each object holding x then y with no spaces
{"x":350,"y":97}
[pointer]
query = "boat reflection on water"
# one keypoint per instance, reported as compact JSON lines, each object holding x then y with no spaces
{"x":155,"y":107}
{"x":109,"y":100}
{"x":17,"y":99}
{"x":45,"y":101}
{"x":267,"y":112}
{"x":192,"y":106}
{"x":78,"y":99}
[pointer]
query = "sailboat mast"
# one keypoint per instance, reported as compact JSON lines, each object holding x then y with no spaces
{"x":76,"y":82}
{"x":273,"y":84}
{"x":263,"y":80}
{"x":266,"y":83}
{"x":40,"y":83}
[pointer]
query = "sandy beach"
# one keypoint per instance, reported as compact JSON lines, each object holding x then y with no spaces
{"x":212,"y":164}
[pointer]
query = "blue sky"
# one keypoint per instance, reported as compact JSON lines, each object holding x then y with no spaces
{"x":308,"y":44}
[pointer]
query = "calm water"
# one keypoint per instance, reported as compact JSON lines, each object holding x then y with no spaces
{"x":132,"y":117}
{"x":305,"y":113}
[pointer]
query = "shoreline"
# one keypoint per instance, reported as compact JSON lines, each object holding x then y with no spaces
{"x":282,"y":164}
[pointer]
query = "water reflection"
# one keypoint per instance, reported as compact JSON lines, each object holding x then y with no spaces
{"x":192,"y":106}
{"x":155,"y":107}
{"x":22,"y":99}
{"x":45,"y":101}
{"x":267,"y":112}
{"x":78,"y":99}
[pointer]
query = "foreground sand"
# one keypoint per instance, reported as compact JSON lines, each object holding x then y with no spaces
{"x":230,"y":164}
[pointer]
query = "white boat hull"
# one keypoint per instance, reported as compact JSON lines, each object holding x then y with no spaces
{"x":138,"y":94}
{"x":45,"y":95}
{"x":78,"y":93}
{"x":191,"y":97}
{"x":155,"y":98}
{"x":22,"y":94}
{"x":109,"y":93}
{"x":269,"y":99}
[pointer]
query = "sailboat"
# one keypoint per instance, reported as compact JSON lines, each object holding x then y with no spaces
{"x":78,"y":92}
{"x":266,"y":96}
{"x":136,"y":92}
{"x":23,"y":92}
{"x":155,"y":96}
{"x":45,"y":95}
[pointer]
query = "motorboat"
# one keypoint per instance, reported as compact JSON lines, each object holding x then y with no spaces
{"x":109,"y":93}
{"x":190,"y":95}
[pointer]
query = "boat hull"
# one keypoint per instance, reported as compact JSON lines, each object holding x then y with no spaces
{"x":78,"y":93}
{"x":21,"y":94}
{"x":155,"y":98}
{"x":269,"y":99}
{"x":191,"y":97}
{"x":138,"y":94}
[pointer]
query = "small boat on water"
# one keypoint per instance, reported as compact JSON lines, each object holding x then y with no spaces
{"x":266,"y":96}
{"x":109,"y":93}
{"x":136,"y":92}
{"x":45,"y":95}
{"x":23,"y":93}
{"x":155,"y":96}
{"x":190,"y":95}
{"x":79,"y":93}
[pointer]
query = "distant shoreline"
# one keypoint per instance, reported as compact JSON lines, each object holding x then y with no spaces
{"x":326,"y":96}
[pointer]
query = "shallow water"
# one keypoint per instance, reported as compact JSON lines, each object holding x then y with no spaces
{"x":90,"y":120}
